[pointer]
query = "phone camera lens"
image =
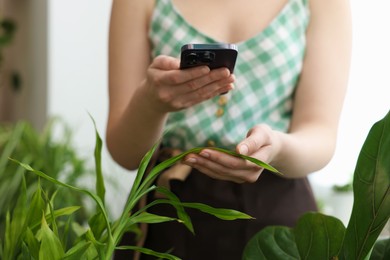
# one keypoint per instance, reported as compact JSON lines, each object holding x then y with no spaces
{"x":192,"y":58}
{"x":208,"y":57}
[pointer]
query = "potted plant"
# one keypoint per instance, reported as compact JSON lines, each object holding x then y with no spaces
{"x":318,"y":236}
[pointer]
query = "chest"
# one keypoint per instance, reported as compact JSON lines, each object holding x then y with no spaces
{"x":230,"y":20}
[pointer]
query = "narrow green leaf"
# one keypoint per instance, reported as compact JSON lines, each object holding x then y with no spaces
{"x":225,"y":214}
{"x":164,"y":165}
{"x":371,"y":186}
{"x":32,"y":243}
{"x":51,"y":247}
{"x":149,"y":252}
{"x":78,"y":251}
{"x":97,"y":225}
{"x":57,"y":213}
{"x":90,"y":194}
{"x":181,"y":213}
{"x":37,"y":206}
{"x":100,"y":187}
{"x":140,"y":174}
{"x":148,"y":218}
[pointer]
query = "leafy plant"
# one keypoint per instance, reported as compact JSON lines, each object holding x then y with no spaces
{"x":317,"y":236}
{"x":44,"y":152}
{"x":38,"y":229}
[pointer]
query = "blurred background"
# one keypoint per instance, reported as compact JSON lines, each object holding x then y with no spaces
{"x":56,"y":65}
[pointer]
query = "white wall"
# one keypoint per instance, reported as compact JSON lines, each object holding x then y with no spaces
{"x":368,"y":97}
{"x":78,"y":79}
{"x":78,"y":42}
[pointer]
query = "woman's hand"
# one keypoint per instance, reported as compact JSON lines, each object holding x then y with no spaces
{"x":261,"y":143}
{"x":172,"y":89}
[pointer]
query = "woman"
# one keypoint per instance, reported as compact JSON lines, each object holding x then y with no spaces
{"x":282,"y":107}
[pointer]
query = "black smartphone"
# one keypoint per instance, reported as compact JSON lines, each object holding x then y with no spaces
{"x":215,"y":55}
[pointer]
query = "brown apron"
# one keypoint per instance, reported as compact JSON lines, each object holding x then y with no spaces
{"x":271,"y":200}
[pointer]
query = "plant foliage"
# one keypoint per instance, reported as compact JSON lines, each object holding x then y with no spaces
{"x":37,"y":228}
{"x":317,"y":236}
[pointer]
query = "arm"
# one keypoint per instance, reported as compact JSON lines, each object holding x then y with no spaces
{"x":310,"y":142}
{"x":143,"y":91}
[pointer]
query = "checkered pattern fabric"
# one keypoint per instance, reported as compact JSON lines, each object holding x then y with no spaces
{"x":267,"y":70}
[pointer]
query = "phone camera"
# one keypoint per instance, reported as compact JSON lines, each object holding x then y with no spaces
{"x":208,"y":57}
{"x":192,"y":58}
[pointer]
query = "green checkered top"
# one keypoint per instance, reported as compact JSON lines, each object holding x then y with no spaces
{"x":267,"y":70}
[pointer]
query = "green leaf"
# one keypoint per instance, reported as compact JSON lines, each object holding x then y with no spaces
{"x":181,"y":213}
{"x":148,"y":218}
{"x":51,"y":247}
{"x":100,"y":188}
{"x":381,"y":250}
{"x":37,"y":206}
{"x":165,"y":164}
{"x":225,"y":214}
{"x":90,"y":194}
{"x":149,"y":252}
{"x":97,"y":225}
{"x":78,"y":251}
{"x":316,"y":236}
{"x":273,"y":243}
{"x":319,"y":236}
{"x":32,"y":243}
{"x":371,"y":186}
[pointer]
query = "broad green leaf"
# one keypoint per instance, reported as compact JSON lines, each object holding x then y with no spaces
{"x":149,"y":252}
{"x":381,"y":250}
{"x":100,"y":187}
{"x":318,"y":236}
{"x":272,"y":243}
{"x":51,"y":247}
{"x":371,"y":186}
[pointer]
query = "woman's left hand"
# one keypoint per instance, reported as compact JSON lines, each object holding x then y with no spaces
{"x":261,"y":143}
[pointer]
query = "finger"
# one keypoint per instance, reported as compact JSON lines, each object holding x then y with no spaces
{"x":228,"y":161}
{"x":211,"y":169}
{"x":256,"y":138}
{"x":163,"y":62}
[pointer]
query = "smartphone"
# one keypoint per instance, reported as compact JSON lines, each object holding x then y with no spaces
{"x":215,"y":55}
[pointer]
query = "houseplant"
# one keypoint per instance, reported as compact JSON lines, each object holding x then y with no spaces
{"x":44,"y":152}
{"x":37,"y":228}
{"x":318,"y":236}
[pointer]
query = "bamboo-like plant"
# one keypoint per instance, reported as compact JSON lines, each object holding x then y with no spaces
{"x":317,"y":236}
{"x":38,"y":230}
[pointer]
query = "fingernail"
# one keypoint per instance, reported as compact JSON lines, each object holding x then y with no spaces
{"x":204,"y":154}
{"x":190,"y":160}
{"x":243,"y":149}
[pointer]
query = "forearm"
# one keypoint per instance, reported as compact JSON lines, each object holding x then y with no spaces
{"x":133,"y":132}
{"x":304,"y":152}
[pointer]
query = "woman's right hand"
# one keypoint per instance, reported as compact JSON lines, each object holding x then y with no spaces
{"x":172,"y":89}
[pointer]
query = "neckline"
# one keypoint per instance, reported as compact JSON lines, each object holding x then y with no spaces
{"x":210,"y":38}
